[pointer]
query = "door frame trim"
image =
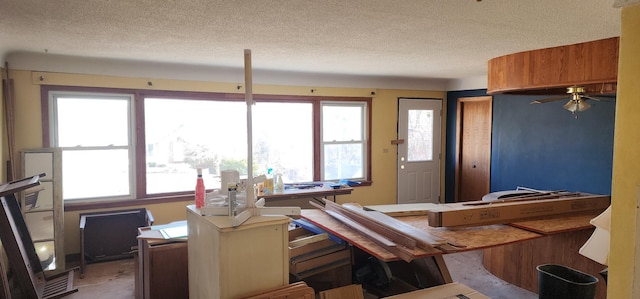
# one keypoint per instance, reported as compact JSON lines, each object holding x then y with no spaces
{"x":459,"y":122}
{"x":441,"y":148}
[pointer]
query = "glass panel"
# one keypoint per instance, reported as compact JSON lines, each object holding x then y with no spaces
{"x":40,"y":225}
{"x":92,"y":121}
{"x":212,"y":135}
{"x":342,"y":123}
{"x":47,"y":254}
{"x":343,"y":161}
{"x":95,"y":173}
{"x":283,"y":140}
{"x":420,"y":135}
{"x":199,"y":134}
{"x":41,"y":200}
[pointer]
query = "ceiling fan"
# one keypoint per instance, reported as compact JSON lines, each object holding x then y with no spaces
{"x":577,"y":99}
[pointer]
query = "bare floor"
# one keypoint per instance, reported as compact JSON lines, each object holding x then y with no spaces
{"x":115,"y":279}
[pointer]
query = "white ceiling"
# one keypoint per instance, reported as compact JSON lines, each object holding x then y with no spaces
{"x":410,"y":40}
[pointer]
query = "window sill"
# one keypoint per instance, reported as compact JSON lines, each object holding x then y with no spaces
{"x":95,"y":205}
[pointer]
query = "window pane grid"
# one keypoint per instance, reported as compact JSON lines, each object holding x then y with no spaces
{"x":343,"y":136}
{"x":96,"y":133}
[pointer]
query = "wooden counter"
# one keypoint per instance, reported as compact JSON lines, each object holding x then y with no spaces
{"x":562,"y":238}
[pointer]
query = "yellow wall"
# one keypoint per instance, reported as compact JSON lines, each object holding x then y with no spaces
{"x":624,"y":275}
{"x":384,"y":114}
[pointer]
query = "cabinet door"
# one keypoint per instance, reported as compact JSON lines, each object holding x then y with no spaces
{"x":42,"y":207}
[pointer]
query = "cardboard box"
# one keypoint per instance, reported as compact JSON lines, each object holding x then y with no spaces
{"x":445,"y":291}
{"x":502,"y":212}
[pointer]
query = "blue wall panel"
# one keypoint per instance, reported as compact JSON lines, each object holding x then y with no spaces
{"x":542,"y":146}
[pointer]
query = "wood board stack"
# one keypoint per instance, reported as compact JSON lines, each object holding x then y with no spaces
{"x":298,"y":290}
{"x":391,"y":234}
{"x":311,"y":253}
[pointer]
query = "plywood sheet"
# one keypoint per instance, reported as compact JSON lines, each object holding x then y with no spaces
{"x":558,"y":224}
{"x":475,"y":237}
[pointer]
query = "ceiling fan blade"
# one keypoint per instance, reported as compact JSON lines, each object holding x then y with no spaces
{"x":596,"y":99}
{"x":547,"y":100}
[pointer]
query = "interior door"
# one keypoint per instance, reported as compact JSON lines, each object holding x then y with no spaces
{"x":473,"y":170}
{"x":419,"y":125}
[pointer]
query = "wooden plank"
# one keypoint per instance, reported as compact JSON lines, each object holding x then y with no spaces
{"x":336,"y":259}
{"x":307,"y":240}
{"x":351,"y":291}
{"x":341,"y":230}
{"x":558,"y":224}
{"x":385,"y":243}
{"x":294,"y":290}
{"x":442,"y":266}
{"x":314,"y":249}
{"x":395,"y":210}
{"x":386,"y":230}
{"x":450,"y":290}
{"x":422,"y":238}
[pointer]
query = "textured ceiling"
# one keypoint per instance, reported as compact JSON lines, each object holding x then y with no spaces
{"x":392,"y":38}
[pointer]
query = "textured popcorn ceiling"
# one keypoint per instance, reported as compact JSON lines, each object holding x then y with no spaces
{"x":395,"y":38}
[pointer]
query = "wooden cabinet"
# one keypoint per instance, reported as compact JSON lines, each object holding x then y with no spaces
{"x":162,"y":270}
{"x":43,"y":207}
{"x":227,"y":261}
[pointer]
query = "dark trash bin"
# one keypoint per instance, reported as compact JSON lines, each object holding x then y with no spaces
{"x":556,"y":281}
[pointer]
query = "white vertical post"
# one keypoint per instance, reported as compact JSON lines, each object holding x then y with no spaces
{"x":248,"y":96}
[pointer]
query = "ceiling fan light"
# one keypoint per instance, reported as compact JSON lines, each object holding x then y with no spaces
{"x":582,"y":106}
{"x":576,"y":106}
{"x":571,"y":105}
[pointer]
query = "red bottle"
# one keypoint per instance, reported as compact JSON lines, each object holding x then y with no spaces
{"x":199,"y":190}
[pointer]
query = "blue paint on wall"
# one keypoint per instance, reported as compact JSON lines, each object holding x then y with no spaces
{"x":541,"y":146}
{"x":544,"y":146}
{"x":450,"y":151}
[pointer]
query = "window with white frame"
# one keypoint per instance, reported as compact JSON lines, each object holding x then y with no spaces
{"x":147,"y":144}
{"x":94,"y":132}
{"x":344,"y":140}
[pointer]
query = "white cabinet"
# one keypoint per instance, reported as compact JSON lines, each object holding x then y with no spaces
{"x":43,"y":208}
{"x":228,"y":262}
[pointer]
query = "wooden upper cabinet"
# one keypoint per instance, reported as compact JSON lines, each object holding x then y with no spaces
{"x":593,"y":65}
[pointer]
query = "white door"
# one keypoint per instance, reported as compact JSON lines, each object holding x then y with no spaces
{"x":419,"y":123}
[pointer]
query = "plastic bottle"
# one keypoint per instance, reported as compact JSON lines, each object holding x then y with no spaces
{"x":268,"y":183}
{"x":278,"y":183}
{"x":199,"y":190}
{"x":233,"y":188}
